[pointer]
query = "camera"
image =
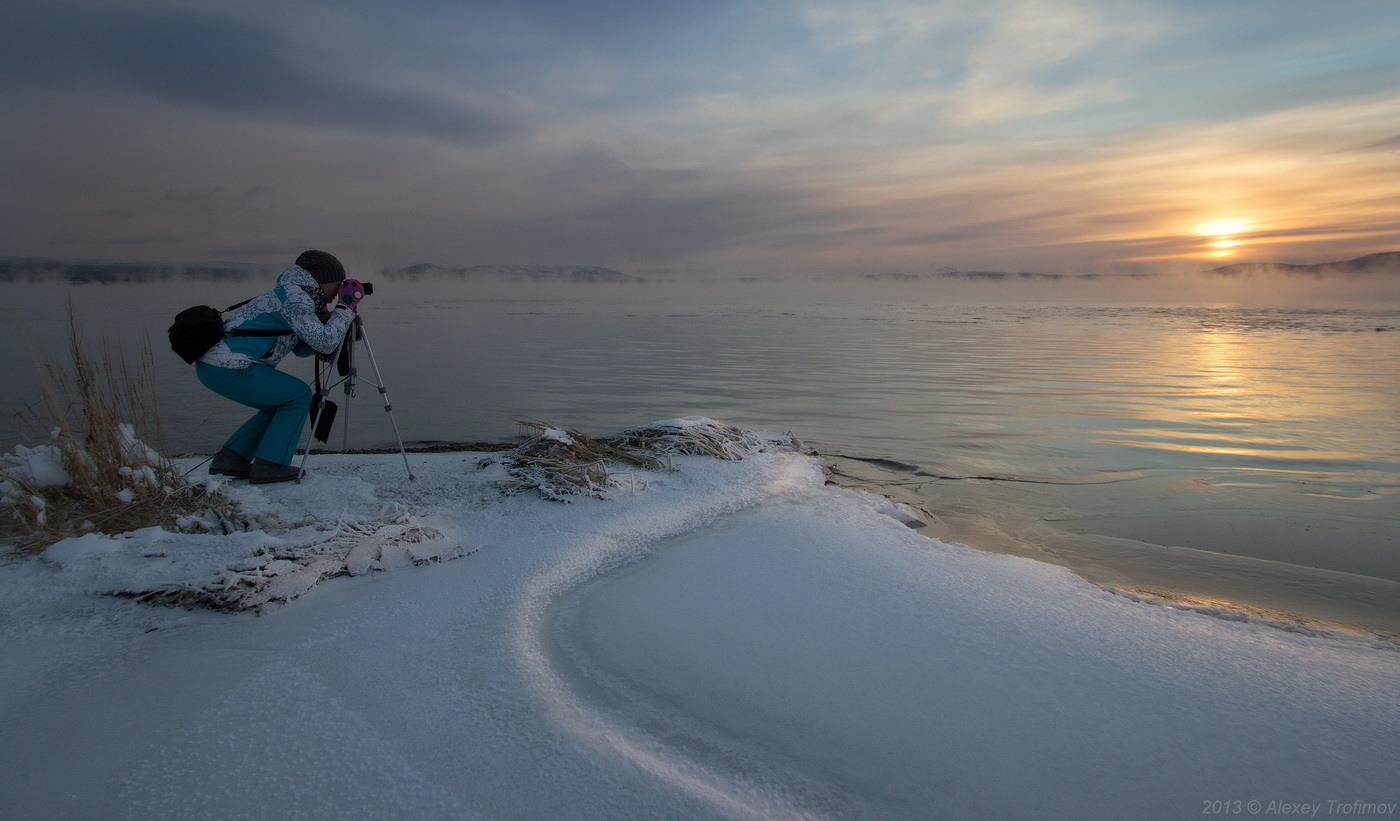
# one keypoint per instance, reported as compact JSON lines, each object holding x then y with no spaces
{"x":368,"y":286}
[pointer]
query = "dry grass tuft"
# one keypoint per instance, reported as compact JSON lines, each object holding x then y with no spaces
{"x":560,"y":463}
{"x":95,"y":474}
{"x":694,"y":436}
{"x":280,"y":574}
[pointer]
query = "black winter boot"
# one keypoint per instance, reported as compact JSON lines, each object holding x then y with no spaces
{"x":229,"y":463}
{"x":264,"y":473}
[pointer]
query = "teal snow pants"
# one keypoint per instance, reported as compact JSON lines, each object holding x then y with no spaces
{"x":282,"y":402}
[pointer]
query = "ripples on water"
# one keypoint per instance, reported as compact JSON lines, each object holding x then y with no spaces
{"x":1270,"y":433}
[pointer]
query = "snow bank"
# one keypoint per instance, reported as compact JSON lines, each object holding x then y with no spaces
{"x":733,"y":640}
{"x":36,"y":467}
{"x":890,"y":675}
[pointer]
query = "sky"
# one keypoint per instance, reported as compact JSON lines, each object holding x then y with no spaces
{"x":742,"y":138}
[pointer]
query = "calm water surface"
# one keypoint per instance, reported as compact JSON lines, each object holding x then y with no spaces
{"x":1271,"y":435}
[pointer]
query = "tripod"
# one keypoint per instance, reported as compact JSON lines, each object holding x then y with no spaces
{"x":323,"y":411}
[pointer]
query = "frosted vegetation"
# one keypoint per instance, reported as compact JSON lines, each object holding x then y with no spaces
{"x":95,"y":474}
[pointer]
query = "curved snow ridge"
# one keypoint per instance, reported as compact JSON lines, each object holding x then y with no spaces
{"x":823,"y":659}
{"x":700,"y":493}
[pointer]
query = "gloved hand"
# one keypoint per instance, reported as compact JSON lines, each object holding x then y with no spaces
{"x":351,"y":292}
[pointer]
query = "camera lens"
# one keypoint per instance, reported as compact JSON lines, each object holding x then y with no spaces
{"x":369,"y":288}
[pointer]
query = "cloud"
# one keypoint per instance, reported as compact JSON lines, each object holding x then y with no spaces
{"x":1386,"y":146}
{"x":210,"y":60}
{"x":989,"y":61}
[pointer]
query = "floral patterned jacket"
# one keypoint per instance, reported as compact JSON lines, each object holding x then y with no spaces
{"x":291,"y":306}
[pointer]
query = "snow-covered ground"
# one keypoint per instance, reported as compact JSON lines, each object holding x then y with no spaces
{"x":724,"y":640}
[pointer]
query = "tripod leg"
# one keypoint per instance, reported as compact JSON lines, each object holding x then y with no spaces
{"x":351,"y":335}
{"x":388,"y":408}
{"x":320,"y":400}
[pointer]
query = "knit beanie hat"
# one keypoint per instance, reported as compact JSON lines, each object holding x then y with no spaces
{"x":322,"y":266}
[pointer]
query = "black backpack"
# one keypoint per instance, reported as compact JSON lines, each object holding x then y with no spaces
{"x":200,"y":328}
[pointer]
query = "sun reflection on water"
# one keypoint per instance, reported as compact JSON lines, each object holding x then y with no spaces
{"x":1255,"y":395}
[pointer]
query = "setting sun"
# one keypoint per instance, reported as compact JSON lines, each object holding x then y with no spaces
{"x":1224,"y":231}
{"x":1221,"y":228}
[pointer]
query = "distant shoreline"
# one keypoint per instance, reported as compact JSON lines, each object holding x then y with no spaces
{"x":97,"y":271}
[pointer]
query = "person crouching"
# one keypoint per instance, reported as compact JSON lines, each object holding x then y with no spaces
{"x":244,"y":368}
